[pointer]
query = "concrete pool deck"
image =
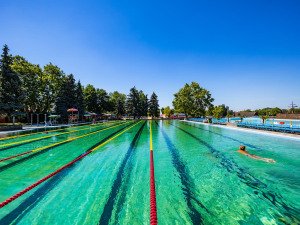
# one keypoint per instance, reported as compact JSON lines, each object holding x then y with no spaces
{"x":248,"y":130}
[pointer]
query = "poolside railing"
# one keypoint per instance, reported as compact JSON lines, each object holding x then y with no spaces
{"x":294,"y":129}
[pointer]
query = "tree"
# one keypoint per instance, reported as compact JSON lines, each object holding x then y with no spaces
{"x":29,"y":75}
{"x":153,"y":106}
{"x":219,"y":111}
{"x":268,"y":111}
{"x":51,"y":82}
{"x":90,"y":98}
{"x":79,"y":99}
{"x":209,"y":111}
{"x":132,"y":103}
{"x":264,"y":118}
{"x":66,"y":97}
{"x":102,"y":101}
{"x":143,"y":104}
{"x":11,"y":95}
{"x":117,"y":102}
{"x":192,"y":100}
{"x":168,"y":111}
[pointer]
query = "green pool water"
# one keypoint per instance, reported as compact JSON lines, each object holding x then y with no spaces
{"x":200,"y":178}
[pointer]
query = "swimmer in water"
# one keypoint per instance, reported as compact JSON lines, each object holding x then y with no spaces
{"x":243,"y":151}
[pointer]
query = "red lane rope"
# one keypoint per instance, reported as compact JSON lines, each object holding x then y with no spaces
{"x":14,"y":197}
{"x":14,"y":156}
{"x":153,"y":211}
{"x":2,"y":204}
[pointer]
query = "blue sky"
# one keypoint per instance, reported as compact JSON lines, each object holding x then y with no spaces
{"x":247,"y":53}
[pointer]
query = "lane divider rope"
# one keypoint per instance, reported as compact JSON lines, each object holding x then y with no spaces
{"x":14,"y":197}
{"x":153,"y":209}
{"x":59,"y":143}
{"x":39,"y":132}
{"x":44,"y":137}
{"x":49,"y":131}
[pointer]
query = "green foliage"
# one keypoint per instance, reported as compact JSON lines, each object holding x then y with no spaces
{"x":11,"y":94}
{"x":219,"y":111}
{"x":25,"y":87}
{"x":264,"y":117}
{"x":168,"y":111}
{"x":268,"y":111}
{"x":136,"y":103}
{"x":90,"y":98}
{"x":66,"y":97}
{"x":51,"y":81}
{"x":103,"y":104}
{"x":153,"y":106}
{"x":133,"y":103}
{"x":79,"y":99}
{"x":192,"y":100}
{"x":29,"y":75}
{"x":295,"y":110}
{"x":117,"y":102}
{"x":143,"y":104}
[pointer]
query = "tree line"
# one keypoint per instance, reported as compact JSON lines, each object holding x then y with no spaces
{"x":196,"y":101}
{"x":27,"y":88}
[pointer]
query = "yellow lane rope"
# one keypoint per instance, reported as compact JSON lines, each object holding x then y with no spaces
{"x":75,"y":138}
{"x":23,"y":135}
{"x":114,"y":137}
{"x":44,"y":137}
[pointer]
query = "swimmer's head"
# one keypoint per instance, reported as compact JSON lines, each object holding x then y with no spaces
{"x":242,"y":147}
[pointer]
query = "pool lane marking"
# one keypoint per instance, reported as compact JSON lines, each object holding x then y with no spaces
{"x":224,"y":136}
{"x":40,"y":138}
{"x":186,"y":180}
{"x":45,"y":137}
{"x":17,"y":195}
{"x":59,"y":143}
{"x":245,"y":177}
{"x":114,"y":137}
{"x":34,"y":154}
{"x":39,"y":132}
{"x":153,"y":209}
{"x":110,"y":205}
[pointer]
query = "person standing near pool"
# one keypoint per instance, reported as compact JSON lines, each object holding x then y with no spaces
{"x":243,"y":151}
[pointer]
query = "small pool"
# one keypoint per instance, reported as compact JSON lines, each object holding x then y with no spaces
{"x":200,"y":178}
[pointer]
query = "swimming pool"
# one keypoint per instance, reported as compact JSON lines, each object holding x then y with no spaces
{"x":199,"y":176}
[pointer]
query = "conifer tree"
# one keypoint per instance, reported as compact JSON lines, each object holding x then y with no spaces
{"x":66,"y":97}
{"x":143,"y":104}
{"x":132,"y":103}
{"x":79,"y":99}
{"x":154,"y":106}
{"x":11,"y":93}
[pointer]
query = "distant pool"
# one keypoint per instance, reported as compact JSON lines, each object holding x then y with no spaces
{"x":200,"y":178}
